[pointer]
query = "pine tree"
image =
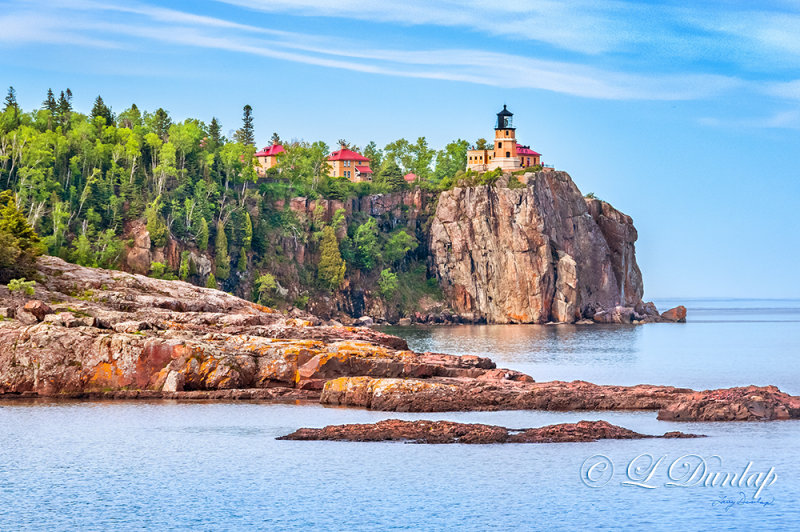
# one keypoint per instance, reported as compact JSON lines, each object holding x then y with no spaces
{"x":331,"y":267}
{"x":160,"y":123}
{"x":246,"y":135}
{"x":11,"y":103}
{"x":275,"y":139}
{"x":51,"y":106}
{"x":242,"y":264}
{"x":211,"y":282}
{"x":65,"y":108}
{"x":214,"y":135}
{"x":221,"y":253}
{"x":101,"y":109}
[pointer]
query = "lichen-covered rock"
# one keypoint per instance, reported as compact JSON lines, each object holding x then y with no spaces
{"x":533,"y":255}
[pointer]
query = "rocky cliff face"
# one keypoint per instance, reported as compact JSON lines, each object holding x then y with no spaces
{"x":536,"y":254}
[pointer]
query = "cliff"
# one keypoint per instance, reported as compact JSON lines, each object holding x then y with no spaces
{"x":535,"y":254}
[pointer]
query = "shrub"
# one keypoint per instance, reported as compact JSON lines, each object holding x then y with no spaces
{"x":21,"y":285}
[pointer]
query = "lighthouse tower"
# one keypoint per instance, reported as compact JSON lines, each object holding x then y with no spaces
{"x":505,"y":143}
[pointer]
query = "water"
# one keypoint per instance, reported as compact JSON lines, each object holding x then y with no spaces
{"x":217,"y":466}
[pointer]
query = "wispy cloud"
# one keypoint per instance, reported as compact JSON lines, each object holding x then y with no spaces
{"x":587,"y":28}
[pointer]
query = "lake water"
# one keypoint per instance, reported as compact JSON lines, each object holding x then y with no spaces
{"x":217,"y":466}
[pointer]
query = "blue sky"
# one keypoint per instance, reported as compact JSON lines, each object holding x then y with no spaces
{"x":688,"y":119}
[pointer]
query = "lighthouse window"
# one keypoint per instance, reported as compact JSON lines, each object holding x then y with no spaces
{"x":499,"y":144}
{"x":508,"y":154}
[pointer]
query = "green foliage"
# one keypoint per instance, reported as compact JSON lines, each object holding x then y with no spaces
{"x":223,"y":261}
{"x":388,"y":284}
{"x":22,"y":286}
{"x":367,"y":246}
{"x":590,"y":195}
{"x":155,"y":224}
{"x":265,"y":286}
{"x":211,"y":282}
{"x":241,"y":264}
{"x":331,"y":267}
{"x":514,"y":182}
{"x":202,"y":235}
{"x":158,"y":270}
{"x":183,"y":269}
{"x":19,"y":243}
{"x":398,"y":246}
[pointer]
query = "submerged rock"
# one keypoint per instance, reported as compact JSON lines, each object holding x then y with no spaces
{"x":450,"y":432}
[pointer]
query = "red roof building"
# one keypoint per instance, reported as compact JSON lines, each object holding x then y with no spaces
{"x":349,"y":164}
{"x":410,"y":177}
{"x":528,"y":157}
{"x":267,"y":158}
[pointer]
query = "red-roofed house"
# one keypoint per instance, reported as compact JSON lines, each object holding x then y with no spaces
{"x":349,"y":164}
{"x":410,"y":177}
{"x":528,"y":157}
{"x":267,"y":158}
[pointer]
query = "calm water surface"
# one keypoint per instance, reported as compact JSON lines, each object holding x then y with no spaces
{"x":166,"y":465}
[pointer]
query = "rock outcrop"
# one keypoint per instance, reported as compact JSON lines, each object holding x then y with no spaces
{"x":91,"y":333}
{"x":450,"y":432}
{"x":536,"y":254}
{"x":751,"y":403}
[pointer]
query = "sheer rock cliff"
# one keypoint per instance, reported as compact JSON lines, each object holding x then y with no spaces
{"x":535,"y":254}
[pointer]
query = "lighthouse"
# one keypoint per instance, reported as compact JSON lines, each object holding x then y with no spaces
{"x":504,"y":153}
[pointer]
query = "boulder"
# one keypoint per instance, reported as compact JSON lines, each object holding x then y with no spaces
{"x":364,"y":321}
{"x":677,"y":314}
{"x":40,"y":309}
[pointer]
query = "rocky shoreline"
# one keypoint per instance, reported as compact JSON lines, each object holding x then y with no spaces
{"x":100,"y":334}
{"x":441,"y":432}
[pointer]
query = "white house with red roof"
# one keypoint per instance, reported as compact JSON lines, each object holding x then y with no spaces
{"x":267,"y":158}
{"x":349,"y":164}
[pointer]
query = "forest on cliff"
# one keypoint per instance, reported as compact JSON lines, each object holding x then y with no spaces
{"x":86,"y":182}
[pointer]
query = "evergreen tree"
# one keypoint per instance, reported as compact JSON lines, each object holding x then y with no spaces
{"x":391,"y":175}
{"x":247,"y":232}
{"x":160,"y":122}
{"x":19,"y":243}
{"x":211,"y":282}
{"x":241,"y":265}
{"x":246,"y":134}
{"x":65,"y":108}
{"x":221,"y":253}
{"x":275,"y":139}
{"x":11,"y":103}
{"x":50,"y":105}
{"x":214,"y":135}
{"x":331,"y":267}
{"x":101,"y":109}
{"x":202,"y":235}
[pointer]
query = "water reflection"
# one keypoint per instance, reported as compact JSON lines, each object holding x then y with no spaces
{"x":724,"y":343}
{"x":525,"y":344}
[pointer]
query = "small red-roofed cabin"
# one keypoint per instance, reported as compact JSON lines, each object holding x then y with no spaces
{"x":267,"y":158}
{"x":349,"y":164}
{"x":528,"y":157}
{"x":410,"y":177}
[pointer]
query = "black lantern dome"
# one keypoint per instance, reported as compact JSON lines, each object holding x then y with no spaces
{"x":505,"y":119}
